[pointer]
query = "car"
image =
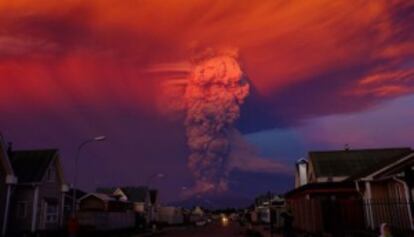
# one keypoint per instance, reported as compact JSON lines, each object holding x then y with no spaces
{"x":201,"y":223}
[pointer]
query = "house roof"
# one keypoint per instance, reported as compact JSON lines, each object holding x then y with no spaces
{"x":389,"y":168}
{"x":134,"y":194}
{"x":351,"y":163}
{"x":197,"y":210}
{"x":102,"y":196}
{"x":326,"y":187}
{"x":30,"y":165}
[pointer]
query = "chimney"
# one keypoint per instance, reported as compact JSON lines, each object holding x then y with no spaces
{"x":9,"y":149}
{"x":302,"y":169}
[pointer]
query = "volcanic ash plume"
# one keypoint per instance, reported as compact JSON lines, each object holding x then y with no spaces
{"x":215,"y":91}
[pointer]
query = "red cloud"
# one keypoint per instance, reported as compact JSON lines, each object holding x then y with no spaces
{"x":97,"y":51}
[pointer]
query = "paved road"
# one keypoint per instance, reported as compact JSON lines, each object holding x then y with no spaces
{"x":212,"y":230}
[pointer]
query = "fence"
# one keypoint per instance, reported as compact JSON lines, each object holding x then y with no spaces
{"x":106,"y":220}
{"x":339,"y":217}
{"x":395,"y":212}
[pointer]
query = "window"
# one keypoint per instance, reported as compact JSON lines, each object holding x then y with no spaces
{"x":21,"y":210}
{"x":51,"y":213}
{"x":68,"y":207}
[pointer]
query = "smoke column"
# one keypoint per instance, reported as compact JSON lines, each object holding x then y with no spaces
{"x":216,"y":89}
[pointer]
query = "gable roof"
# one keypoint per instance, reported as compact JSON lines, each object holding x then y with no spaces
{"x":352,"y":163}
{"x":101,"y":196}
{"x":30,"y":165}
{"x":390,"y":168}
{"x":134,"y":194}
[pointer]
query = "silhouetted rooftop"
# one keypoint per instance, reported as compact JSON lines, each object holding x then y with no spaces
{"x":30,"y":165}
{"x":347,"y":163}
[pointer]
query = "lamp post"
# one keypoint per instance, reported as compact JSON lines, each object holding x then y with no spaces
{"x":148,"y":182}
{"x":94,"y":139}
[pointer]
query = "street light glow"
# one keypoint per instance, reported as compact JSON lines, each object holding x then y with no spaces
{"x":99,"y":138}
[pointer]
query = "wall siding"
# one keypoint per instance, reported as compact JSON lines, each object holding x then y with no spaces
{"x":25,"y":193}
{"x":3,"y":196}
{"x":21,"y":194}
{"x":389,"y":204}
{"x":49,"y":190}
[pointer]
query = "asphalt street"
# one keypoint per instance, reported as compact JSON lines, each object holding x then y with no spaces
{"x":211,"y":230}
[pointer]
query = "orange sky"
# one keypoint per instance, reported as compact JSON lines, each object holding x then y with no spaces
{"x":281,"y":43}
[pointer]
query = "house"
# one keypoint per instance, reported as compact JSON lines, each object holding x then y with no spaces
{"x":99,"y":211}
{"x":103,"y":202}
{"x":8,"y":181}
{"x":360,"y":188}
{"x":144,"y":199}
{"x":326,"y":207}
{"x":38,"y":198}
{"x":267,"y":205}
{"x":170,"y":215}
{"x":197,"y":214}
{"x":198,"y":211}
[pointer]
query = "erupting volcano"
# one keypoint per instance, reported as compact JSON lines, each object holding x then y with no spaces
{"x":216,"y":89}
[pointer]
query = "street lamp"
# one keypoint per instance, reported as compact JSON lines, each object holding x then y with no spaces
{"x":148,"y":182}
{"x":94,"y":139}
